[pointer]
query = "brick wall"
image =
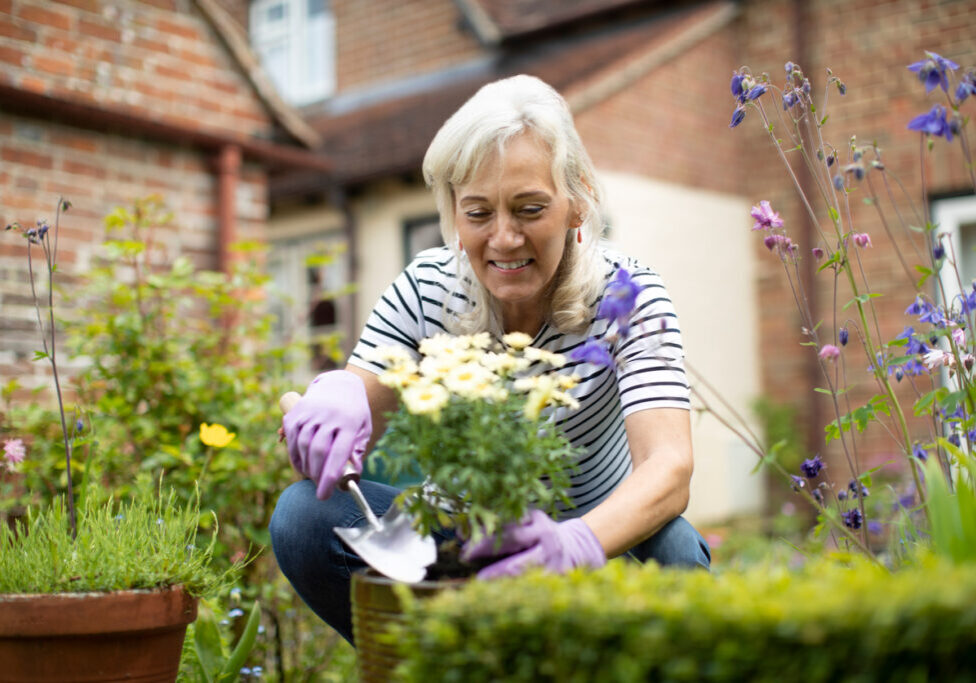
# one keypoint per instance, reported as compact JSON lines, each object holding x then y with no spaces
{"x":160,"y":60}
{"x":382,"y":40}
{"x":867,"y":44}
{"x":664,"y":126}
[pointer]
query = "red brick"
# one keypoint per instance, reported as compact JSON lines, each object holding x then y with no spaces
{"x":16,"y":30}
{"x":46,"y":17}
{"x":9,"y":55}
{"x":21,"y":156}
{"x":177,"y":29}
{"x":98,"y":30}
{"x":79,"y":168}
{"x":55,"y":66}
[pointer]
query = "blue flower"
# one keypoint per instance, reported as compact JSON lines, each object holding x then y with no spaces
{"x":842,"y":336}
{"x":853,"y":518}
{"x":736,"y":85}
{"x":938,"y":251}
{"x":914,"y":346}
{"x":619,"y":300}
{"x":755,"y":91}
{"x":918,"y":306}
{"x":920,"y":452}
{"x":954,"y":439}
{"x":80,"y":425}
{"x":967,"y":86}
{"x":593,"y":351}
{"x":858,"y":489}
{"x":933,"y":123}
{"x":874,"y":527}
{"x":811,"y":467}
{"x":737,"y":116}
{"x":932,"y":71}
{"x":935,"y":315}
{"x":798,"y":482}
{"x":236,"y":612}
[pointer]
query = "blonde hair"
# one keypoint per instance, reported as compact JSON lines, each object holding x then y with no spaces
{"x":497,"y":113}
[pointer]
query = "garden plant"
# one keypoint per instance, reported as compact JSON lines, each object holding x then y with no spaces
{"x":171,"y":385}
{"x":924,"y":394}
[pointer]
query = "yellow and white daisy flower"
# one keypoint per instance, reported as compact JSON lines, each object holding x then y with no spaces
{"x":469,"y":380}
{"x":556,"y":360}
{"x":517,"y":340}
{"x":425,"y":398}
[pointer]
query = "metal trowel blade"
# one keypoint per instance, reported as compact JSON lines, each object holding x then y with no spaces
{"x":395,"y":550}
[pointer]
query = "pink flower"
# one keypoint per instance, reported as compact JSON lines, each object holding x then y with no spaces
{"x":937,"y":357}
{"x":13,"y":451}
{"x":828,"y":352}
{"x":818,"y":253}
{"x":959,"y":336}
{"x":765,"y":217}
{"x":862,"y":239}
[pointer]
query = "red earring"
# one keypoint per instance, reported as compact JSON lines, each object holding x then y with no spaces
{"x":579,"y":235}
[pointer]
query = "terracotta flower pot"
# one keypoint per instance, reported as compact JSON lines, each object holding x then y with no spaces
{"x":375,"y":606}
{"x":134,"y":635}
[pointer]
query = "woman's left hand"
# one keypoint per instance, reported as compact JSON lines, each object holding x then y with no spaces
{"x":538,"y":541}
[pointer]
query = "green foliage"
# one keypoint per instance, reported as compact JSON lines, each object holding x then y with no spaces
{"x":952,"y":508}
{"x":214,"y":660}
{"x":148,"y":541}
{"x":486,"y":461}
{"x":832,"y":620}
{"x":168,"y":347}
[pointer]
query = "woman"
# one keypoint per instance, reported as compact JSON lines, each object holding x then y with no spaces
{"x":521,"y":214}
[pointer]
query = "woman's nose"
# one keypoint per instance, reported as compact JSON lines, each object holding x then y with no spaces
{"x":507,"y":233}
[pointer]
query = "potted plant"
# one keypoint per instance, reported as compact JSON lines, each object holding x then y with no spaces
{"x":91,"y":587}
{"x":471,"y":420}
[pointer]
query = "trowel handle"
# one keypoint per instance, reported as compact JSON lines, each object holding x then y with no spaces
{"x":349,"y":473}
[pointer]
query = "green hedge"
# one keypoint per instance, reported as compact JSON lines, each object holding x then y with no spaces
{"x":826,"y":622}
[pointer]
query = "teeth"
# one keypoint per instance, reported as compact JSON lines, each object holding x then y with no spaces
{"x":511,"y":265}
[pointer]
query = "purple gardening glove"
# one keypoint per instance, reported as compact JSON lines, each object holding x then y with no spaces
{"x":538,"y":541}
{"x":327,"y":428}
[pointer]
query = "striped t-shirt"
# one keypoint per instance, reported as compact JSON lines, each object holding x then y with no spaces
{"x":649,"y":372}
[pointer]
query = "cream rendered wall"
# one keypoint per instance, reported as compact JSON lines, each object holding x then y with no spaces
{"x":380,"y":215}
{"x":701,"y":244}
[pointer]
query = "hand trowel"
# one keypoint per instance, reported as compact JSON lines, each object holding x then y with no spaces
{"x":388,"y":544}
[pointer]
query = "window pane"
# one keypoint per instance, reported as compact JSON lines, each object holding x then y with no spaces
{"x":317,"y":7}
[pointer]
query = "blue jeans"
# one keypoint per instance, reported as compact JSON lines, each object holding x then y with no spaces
{"x":319,"y":565}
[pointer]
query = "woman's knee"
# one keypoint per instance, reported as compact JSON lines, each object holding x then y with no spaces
{"x":677,"y":544}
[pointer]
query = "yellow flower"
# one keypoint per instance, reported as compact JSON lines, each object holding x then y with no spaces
{"x":539,"y":395}
{"x":517,"y":340}
{"x":504,"y":363}
{"x":469,"y":380}
{"x":556,"y":360}
{"x":425,"y":399}
{"x":438,"y":367}
{"x":400,"y":376}
{"x":215,"y":435}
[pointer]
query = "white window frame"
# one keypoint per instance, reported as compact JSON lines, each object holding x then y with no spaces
{"x":950,"y":215}
{"x":299,"y":82}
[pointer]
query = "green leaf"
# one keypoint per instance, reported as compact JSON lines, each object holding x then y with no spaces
{"x":861,"y":298}
{"x":40,"y":355}
{"x":244,"y":646}
{"x":208,"y":648}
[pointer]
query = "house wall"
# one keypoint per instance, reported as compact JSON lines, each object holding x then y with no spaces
{"x":160,"y":60}
{"x":384,"y":40}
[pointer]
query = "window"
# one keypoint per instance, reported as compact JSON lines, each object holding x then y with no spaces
{"x":295,"y":40}
{"x":419,"y":234}
{"x":307,"y":295}
{"x":956,"y":217}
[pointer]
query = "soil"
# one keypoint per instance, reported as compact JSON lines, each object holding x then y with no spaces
{"x":449,"y":564}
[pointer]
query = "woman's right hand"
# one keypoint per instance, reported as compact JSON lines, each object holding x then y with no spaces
{"x":327,"y":428}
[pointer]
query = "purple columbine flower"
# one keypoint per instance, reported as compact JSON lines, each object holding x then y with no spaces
{"x":932,"y":71}
{"x":933,"y":123}
{"x":737,"y":116}
{"x":967,"y":86}
{"x":14,"y":451}
{"x":954,"y":439}
{"x":818,"y":253}
{"x":858,"y":489}
{"x":619,"y":300}
{"x":593,"y":351}
{"x":798,"y":482}
{"x":938,"y":251}
{"x":755,"y":92}
{"x":914,"y":346}
{"x":765,"y":217}
{"x":920,"y":306}
{"x":920,"y":452}
{"x":853,"y":518}
{"x":838,"y":182}
{"x":862,"y":239}
{"x":842,"y":336}
{"x":811,"y":467}
{"x":828,"y":352}
{"x":874,"y":528}
{"x":736,"y":86}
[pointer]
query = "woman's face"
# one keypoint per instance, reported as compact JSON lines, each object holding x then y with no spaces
{"x":512,"y":223}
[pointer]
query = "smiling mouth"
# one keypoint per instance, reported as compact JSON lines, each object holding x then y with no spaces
{"x":511,"y":265}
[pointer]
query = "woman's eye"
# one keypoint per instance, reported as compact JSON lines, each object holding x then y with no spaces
{"x":477,"y":214}
{"x":532,"y":209}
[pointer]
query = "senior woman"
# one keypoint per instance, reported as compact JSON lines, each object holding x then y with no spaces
{"x":520,"y":213}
